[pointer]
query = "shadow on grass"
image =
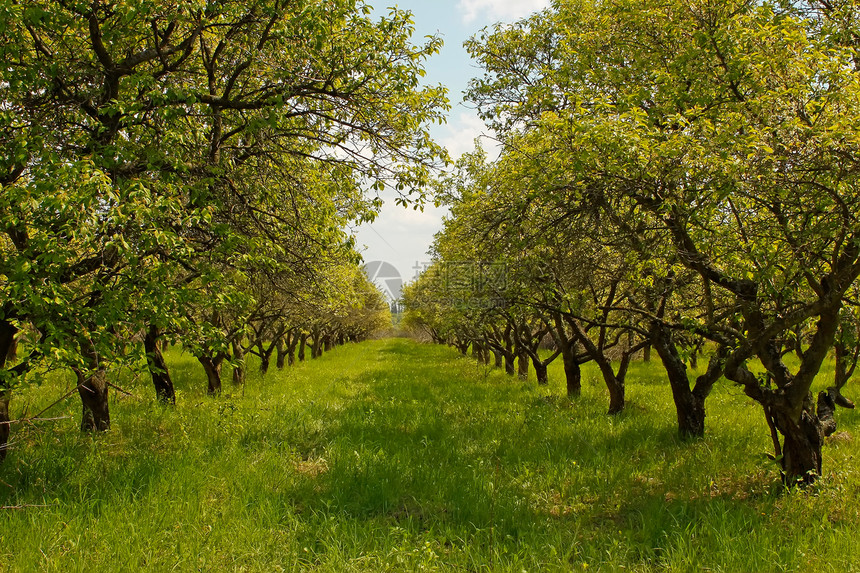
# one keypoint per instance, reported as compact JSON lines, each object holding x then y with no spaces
{"x":423,"y":449}
{"x":400,"y":439}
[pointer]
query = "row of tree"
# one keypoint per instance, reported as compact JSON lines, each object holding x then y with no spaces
{"x":187,"y":171}
{"x":673,"y":176}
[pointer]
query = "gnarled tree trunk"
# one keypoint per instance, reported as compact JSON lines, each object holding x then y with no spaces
{"x":541,"y":372}
{"x":689,"y":402}
{"x":93,"y":390}
{"x":280,"y":354}
{"x":572,"y":375}
{"x":265,"y":355}
{"x":291,"y":350}
{"x":801,"y":447}
{"x":212,"y":368}
{"x":522,"y":365}
{"x":161,"y":379}
{"x":510,"y":364}
{"x":614,"y":380}
{"x":789,"y":406}
{"x":572,"y":371}
{"x":481,"y":352}
{"x":7,"y":351}
{"x":303,"y":342}
{"x":317,"y":345}
{"x":504,"y":345}
{"x":617,"y":399}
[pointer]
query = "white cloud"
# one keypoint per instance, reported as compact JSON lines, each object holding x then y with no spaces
{"x":400,"y":236}
{"x":462,"y":133}
{"x":416,"y":222}
{"x":496,"y":10}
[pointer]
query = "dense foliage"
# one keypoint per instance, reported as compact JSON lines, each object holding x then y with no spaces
{"x":187,"y":170}
{"x":674,"y":173}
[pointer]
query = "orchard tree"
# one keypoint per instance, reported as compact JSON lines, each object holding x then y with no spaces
{"x":732,"y":127}
{"x":559,"y":278}
{"x":138,"y":136}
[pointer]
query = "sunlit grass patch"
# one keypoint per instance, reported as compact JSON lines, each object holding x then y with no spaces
{"x":395,"y":456}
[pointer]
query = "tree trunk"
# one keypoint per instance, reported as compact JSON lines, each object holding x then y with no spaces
{"x":523,"y":365}
{"x":572,"y":374}
{"x":212,"y":367}
{"x":789,"y":407}
{"x":690,"y":409}
{"x":5,"y":427}
{"x":691,"y":415}
{"x":265,"y":357}
{"x":540,"y":366}
{"x":485,"y":354}
{"x":303,"y":341}
{"x":291,"y":349}
{"x":614,"y":381}
{"x":7,"y":350}
{"x":616,"y":395}
{"x":541,"y":372}
{"x":281,"y":354}
{"x":476,"y":352}
{"x":801,"y":448}
{"x":164,"y":389}
{"x":93,"y":390}
{"x":510,"y":366}
{"x":646,"y":354}
{"x":239,"y":359}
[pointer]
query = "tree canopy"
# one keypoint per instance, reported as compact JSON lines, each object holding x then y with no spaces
{"x":157,"y":155}
{"x":696,"y":166}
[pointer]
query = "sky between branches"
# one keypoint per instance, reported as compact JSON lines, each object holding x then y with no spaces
{"x":401,"y":236}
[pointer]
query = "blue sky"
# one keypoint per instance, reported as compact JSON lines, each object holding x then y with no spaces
{"x":401,"y":236}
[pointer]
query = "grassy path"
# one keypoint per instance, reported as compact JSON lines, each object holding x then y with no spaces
{"x":395,"y":456}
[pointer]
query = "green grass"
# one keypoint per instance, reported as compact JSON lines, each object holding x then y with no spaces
{"x":395,"y":456}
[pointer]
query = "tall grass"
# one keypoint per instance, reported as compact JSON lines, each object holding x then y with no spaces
{"x":395,"y":456}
